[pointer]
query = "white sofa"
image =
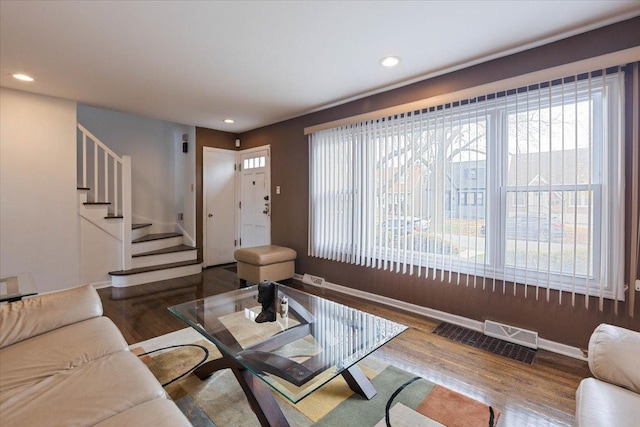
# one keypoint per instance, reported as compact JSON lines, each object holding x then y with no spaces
{"x":612,"y":398}
{"x":63,"y":364}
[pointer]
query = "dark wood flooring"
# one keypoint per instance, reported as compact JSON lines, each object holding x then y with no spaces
{"x":541,"y":394}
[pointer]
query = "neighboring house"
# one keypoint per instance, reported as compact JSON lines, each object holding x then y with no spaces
{"x":537,"y":171}
{"x":466,"y":190}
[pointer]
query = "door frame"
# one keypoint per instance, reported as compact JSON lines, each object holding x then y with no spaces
{"x":204,"y":199}
{"x":239,"y":155}
{"x":237,"y":190}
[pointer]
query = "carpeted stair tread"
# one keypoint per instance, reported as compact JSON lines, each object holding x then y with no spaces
{"x":172,"y":249}
{"x":156,"y":236}
{"x":155,"y":268}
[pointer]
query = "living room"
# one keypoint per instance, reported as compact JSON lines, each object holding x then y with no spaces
{"x":40,"y":232}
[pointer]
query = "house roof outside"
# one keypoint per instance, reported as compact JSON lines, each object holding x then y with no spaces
{"x":543,"y":168}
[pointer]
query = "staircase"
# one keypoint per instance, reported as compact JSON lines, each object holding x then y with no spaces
{"x":157,"y":256}
{"x":143,"y":256}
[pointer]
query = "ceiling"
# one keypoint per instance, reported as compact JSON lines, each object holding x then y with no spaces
{"x":197,"y":62}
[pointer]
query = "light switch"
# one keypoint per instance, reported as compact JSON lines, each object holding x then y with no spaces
{"x":277,"y":189}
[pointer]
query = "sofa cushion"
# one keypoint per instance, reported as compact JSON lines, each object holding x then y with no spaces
{"x":158,"y":412}
{"x":613,"y":356}
{"x":599,"y":403}
{"x":34,"y":316}
{"x":85,"y":395}
{"x":35,"y":359}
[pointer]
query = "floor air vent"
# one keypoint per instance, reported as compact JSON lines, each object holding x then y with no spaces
{"x":484,"y":342}
{"x":313,"y":280}
{"x":511,"y":334}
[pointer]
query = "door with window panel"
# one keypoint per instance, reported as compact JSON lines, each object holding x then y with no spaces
{"x":255,"y":207}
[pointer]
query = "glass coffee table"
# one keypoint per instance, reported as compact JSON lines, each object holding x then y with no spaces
{"x":314,"y":342}
{"x":14,"y":288}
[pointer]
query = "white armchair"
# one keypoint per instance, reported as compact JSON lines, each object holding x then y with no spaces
{"x":612,"y":398}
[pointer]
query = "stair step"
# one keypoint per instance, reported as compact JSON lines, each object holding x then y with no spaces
{"x":97,"y":203}
{"x":155,"y":268}
{"x":84,"y":188}
{"x":143,"y":242}
{"x":113,"y":217}
{"x":172,"y":249}
{"x":136,"y":226}
{"x":158,"y":256}
{"x":143,"y":229}
{"x":156,"y":236}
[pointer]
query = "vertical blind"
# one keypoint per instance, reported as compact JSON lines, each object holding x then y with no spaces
{"x":523,"y":186}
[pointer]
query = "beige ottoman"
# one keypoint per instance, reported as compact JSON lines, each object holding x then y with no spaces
{"x":269,"y":262}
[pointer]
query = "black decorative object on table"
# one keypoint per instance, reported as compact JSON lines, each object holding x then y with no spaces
{"x":267,"y":297}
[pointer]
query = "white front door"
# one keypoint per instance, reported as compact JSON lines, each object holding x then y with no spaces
{"x":219,"y":216}
{"x":255,"y":197}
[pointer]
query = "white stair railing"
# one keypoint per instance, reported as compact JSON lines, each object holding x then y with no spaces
{"x":111,"y":182}
{"x":106,"y":168}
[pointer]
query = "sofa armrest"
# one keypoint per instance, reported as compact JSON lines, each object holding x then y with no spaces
{"x":34,"y":316}
{"x":614,"y":356}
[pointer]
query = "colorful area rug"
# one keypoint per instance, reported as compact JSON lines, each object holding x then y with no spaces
{"x":219,"y":401}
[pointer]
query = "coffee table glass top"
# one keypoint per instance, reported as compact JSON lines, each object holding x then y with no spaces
{"x":316,"y":340}
{"x":14,"y":288}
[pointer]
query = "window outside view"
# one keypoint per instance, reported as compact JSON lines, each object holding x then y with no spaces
{"x":508,"y":186}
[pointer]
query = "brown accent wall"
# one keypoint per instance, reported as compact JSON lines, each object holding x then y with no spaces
{"x":563,"y":323}
{"x":207,"y":138}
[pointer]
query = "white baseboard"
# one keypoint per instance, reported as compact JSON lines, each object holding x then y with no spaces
{"x":100,"y":285}
{"x":565,"y":350}
{"x":465,"y":322}
{"x":187,"y":239}
{"x":155,"y":275}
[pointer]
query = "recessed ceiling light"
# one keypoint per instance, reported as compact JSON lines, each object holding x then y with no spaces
{"x":389,"y":61}
{"x":23,"y":77}
{"x":229,"y":121}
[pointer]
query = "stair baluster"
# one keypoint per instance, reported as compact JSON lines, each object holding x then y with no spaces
{"x":116,"y":184}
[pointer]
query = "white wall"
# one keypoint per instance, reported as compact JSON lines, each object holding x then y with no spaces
{"x":39,"y":231}
{"x":100,"y":253}
{"x":155,"y":147}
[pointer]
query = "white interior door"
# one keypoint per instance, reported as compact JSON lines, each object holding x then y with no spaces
{"x":255,"y":197}
{"x":219,"y":219}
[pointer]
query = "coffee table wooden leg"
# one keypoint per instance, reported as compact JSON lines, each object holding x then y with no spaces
{"x":206,"y":369}
{"x":260,"y":399}
{"x":358,"y":382}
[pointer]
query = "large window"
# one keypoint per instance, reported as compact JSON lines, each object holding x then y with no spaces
{"x":520,"y":186}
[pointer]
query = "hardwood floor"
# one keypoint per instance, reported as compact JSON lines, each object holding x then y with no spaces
{"x":541,"y":394}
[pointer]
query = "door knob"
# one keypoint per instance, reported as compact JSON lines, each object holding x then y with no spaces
{"x":210,"y":215}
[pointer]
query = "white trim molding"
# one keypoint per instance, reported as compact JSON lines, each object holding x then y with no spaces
{"x":101,"y":285}
{"x":599,"y":62}
{"x":187,"y":239}
{"x":443,"y":316}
